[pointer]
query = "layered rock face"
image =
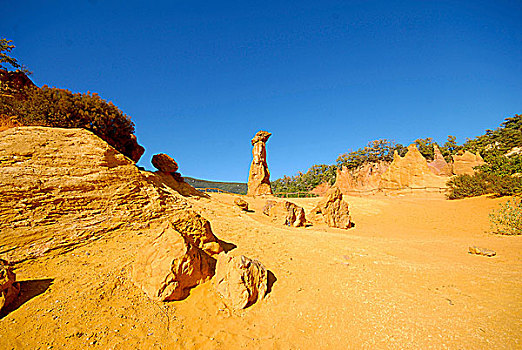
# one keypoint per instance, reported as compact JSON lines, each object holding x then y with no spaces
{"x":465,"y":163}
{"x":365,"y":177}
{"x":287,"y":213}
{"x":61,"y":188}
{"x":240,"y":281}
{"x":439,"y":166}
{"x":9,"y":288}
{"x":259,"y":176}
{"x":333,"y":210}
{"x":410,"y":171}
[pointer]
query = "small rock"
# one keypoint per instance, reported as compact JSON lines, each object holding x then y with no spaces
{"x":163,"y":162}
{"x":241,"y":203}
{"x":482,"y":251}
{"x":240,"y":281}
{"x":9,"y":288}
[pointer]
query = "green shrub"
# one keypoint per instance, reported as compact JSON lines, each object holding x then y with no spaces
{"x":481,"y":183}
{"x":61,"y":108}
{"x":507,"y":220}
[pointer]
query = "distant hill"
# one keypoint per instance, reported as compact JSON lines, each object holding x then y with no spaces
{"x":233,"y":187}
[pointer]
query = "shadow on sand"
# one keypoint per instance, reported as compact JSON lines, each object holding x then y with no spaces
{"x":28,"y":290}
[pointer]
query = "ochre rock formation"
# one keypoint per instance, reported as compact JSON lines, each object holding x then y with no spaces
{"x":240,"y":281}
{"x":259,"y":176}
{"x":285,"y":212}
{"x":333,"y":210}
{"x":241,"y":203}
{"x":321,"y":189}
{"x":9,"y":288}
{"x":363,"y":178}
{"x":133,"y":149}
{"x":464,"y":164}
{"x":164,"y":162}
{"x":63,"y":188}
{"x":439,"y":166}
{"x":178,"y":259}
{"x":411,"y":171}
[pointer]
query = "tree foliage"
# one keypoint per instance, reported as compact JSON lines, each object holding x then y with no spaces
{"x":61,"y":108}
{"x":375,"y":151}
{"x":304,"y":182}
{"x":6,"y":47}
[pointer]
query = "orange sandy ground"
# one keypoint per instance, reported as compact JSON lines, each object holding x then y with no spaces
{"x":401,"y":279}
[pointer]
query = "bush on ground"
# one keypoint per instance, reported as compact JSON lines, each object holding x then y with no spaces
{"x":507,"y":219}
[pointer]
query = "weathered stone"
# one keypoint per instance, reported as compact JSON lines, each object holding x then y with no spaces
{"x":411,"y":171}
{"x":241,"y":203}
{"x":240,"y":281}
{"x":168,"y":266}
{"x":9,"y":288}
{"x":60,"y":188}
{"x":321,"y":189}
{"x":464,"y":164}
{"x":482,"y":251}
{"x":333,"y":210}
{"x":133,"y":149}
{"x":259,"y":176}
{"x":164,"y":162}
{"x":286,"y":212}
{"x":367,"y":177}
{"x":439,"y":166}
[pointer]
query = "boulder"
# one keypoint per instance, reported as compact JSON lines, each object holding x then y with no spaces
{"x":286,"y":212}
{"x":481,"y":251}
{"x":439,"y":166}
{"x":240,"y":281}
{"x":333,"y":210}
{"x":241,"y":203}
{"x":9,"y":288}
{"x":179,"y":258}
{"x":165,"y":163}
{"x":134,"y":150}
{"x":259,"y":176}
{"x":411,"y":171}
{"x":464,"y":164}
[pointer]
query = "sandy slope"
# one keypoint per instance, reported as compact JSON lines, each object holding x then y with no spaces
{"x":401,"y":278}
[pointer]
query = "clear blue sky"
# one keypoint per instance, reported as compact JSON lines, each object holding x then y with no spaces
{"x":199,"y":79}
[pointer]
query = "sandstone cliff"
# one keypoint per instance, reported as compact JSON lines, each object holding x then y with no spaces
{"x":464,"y":164}
{"x":60,"y":188}
{"x":411,"y":171}
{"x":365,"y":177}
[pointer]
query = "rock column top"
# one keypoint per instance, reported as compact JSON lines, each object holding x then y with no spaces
{"x":261,"y":136}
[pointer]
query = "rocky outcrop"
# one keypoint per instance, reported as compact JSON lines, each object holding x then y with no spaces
{"x":240,"y":281}
{"x":285,"y":212}
{"x":366,"y":177}
{"x":481,"y":251}
{"x":321,"y":189}
{"x":241,"y":203}
{"x":259,"y":176}
{"x":333,"y":210}
{"x":464,"y":164}
{"x":9,"y":288}
{"x":439,"y":166}
{"x":178,"y":259}
{"x":134,"y":150}
{"x":410,"y":171}
{"x":164,"y":162}
{"x":60,"y":188}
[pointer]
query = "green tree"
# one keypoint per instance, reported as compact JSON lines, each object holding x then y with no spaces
{"x":6,"y":47}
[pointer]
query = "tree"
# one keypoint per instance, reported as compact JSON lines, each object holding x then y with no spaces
{"x":6,"y":47}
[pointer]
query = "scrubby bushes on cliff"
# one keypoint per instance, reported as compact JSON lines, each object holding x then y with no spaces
{"x":61,"y":108}
{"x":304,"y":182}
{"x":375,"y":151}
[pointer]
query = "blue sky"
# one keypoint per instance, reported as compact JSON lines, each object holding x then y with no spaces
{"x":199,"y":78}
